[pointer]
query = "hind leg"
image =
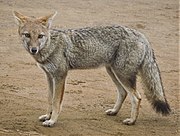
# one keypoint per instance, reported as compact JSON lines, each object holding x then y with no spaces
{"x":129,"y":84}
{"x":130,"y":87}
{"x":135,"y":101}
{"x":121,"y":94}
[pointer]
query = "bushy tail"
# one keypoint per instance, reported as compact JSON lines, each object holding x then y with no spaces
{"x":153,"y":85}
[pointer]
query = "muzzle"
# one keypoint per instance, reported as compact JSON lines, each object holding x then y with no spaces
{"x":34,"y":50}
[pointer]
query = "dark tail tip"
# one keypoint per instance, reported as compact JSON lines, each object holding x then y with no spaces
{"x":161,"y":107}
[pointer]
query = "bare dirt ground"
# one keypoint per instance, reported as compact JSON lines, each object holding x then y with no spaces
{"x":23,"y":88}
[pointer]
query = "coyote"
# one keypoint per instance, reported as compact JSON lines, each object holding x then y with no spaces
{"x":123,"y":51}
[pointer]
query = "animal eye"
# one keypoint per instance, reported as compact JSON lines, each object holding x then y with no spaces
{"x":40,"y":36}
{"x":27,"y":35}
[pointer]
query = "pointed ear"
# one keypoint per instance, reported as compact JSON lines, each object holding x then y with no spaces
{"x":47,"y":20}
{"x":20,"y":19}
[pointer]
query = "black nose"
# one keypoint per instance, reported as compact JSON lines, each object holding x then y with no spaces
{"x":34,"y":50}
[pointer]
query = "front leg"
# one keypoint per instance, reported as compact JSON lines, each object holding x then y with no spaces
{"x":47,"y":116}
{"x":58,"y":92}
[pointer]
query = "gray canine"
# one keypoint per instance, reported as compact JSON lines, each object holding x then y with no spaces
{"x":124,"y":52}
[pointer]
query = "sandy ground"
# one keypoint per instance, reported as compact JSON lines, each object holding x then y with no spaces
{"x":23,"y":88}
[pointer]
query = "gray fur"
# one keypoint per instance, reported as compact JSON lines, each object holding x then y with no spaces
{"x":115,"y":46}
{"x":123,"y":51}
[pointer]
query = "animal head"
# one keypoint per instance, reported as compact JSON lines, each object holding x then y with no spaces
{"x":34,"y":32}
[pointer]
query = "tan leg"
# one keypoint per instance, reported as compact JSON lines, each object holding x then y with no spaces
{"x":135,"y":101}
{"x":130,"y":86}
{"x":47,"y":116}
{"x":121,"y":94}
{"x":58,"y":93}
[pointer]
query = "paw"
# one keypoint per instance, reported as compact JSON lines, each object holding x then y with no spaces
{"x":129,"y":121}
{"x":111,"y":112}
{"x":44,"y":117}
{"x":48,"y":123}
